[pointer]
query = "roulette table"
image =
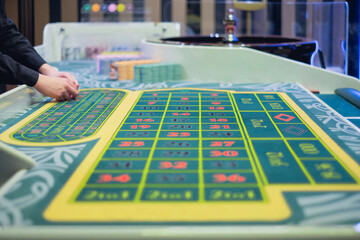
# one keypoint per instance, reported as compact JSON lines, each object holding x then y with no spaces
{"x":182,"y":159}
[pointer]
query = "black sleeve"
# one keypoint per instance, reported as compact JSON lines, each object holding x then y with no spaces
{"x":12,"y":72}
{"x":19,"y":62}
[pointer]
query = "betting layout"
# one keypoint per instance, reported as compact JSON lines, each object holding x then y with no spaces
{"x":71,"y":120}
{"x":192,"y":155}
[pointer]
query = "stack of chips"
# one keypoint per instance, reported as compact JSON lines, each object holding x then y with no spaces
{"x":177,"y":72}
{"x":157,"y":72}
{"x":104,"y":59}
{"x":124,"y":70}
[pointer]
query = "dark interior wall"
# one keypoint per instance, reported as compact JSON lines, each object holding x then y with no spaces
{"x":31,"y":16}
{"x":26,"y":19}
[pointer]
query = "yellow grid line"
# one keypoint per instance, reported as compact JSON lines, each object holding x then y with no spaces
{"x":336,"y":158}
{"x":103,"y":151}
{"x":75,"y":107}
{"x":250,"y":150}
{"x":147,"y":166}
{"x":83,"y":113}
{"x":103,"y":112}
{"x":200,"y":167}
{"x":305,"y":171}
{"x":34,"y":120}
{"x":259,"y":167}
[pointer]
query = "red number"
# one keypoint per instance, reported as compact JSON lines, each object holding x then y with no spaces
{"x":230,"y":153}
{"x":216,"y":153}
{"x":165,"y":165}
{"x":224,"y":153}
{"x":173,"y":134}
{"x":180,"y":165}
{"x":131,"y":144}
{"x":138,"y":144}
{"x":216,"y":144}
{"x":233,"y":178}
{"x":236,"y":178}
{"x":228,"y":143}
{"x":140,"y":126}
{"x":219,"y":178}
{"x":144,"y":120}
{"x":222,"y":143}
{"x":182,"y":114}
{"x":104,"y":178}
{"x":216,"y":108}
{"x":175,"y":165}
{"x":125,"y":144}
{"x":123,"y":178}
{"x":184,"y":134}
{"x":218,"y":120}
{"x":177,"y":134}
{"x":222,"y":120}
{"x":148,"y":120}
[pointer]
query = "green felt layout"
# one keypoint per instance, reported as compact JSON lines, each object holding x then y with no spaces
{"x":71,"y":120}
{"x":215,"y":151}
{"x":188,"y":147}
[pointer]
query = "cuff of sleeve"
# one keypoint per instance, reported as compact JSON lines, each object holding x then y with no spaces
{"x":28,"y":76}
{"x":37,"y":62}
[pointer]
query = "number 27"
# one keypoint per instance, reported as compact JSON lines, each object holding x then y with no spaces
{"x":222,"y":143}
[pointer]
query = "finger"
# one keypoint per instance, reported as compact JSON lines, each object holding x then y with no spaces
{"x":66,"y":96}
{"x":75,"y":81}
{"x":73,"y":92}
{"x":72,"y":79}
{"x":60,"y":99}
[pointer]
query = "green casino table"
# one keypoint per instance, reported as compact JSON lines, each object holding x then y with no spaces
{"x":182,"y":159}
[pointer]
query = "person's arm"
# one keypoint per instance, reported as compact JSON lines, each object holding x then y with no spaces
{"x":47,"y":80}
{"x":12,"y":72}
{"x":21,"y":64}
{"x":50,"y":82}
{"x":15,"y":45}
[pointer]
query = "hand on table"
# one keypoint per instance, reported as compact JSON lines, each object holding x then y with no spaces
{"x":59,"y":85}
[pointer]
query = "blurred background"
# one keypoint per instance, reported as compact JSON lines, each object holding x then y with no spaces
{"x":334,"y":24}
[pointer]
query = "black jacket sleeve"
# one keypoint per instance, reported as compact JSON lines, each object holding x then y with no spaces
{"x":19,"y":62}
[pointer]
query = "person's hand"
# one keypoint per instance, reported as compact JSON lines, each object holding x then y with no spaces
{"x":50,"y":71}
{"x":57,"y":87}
